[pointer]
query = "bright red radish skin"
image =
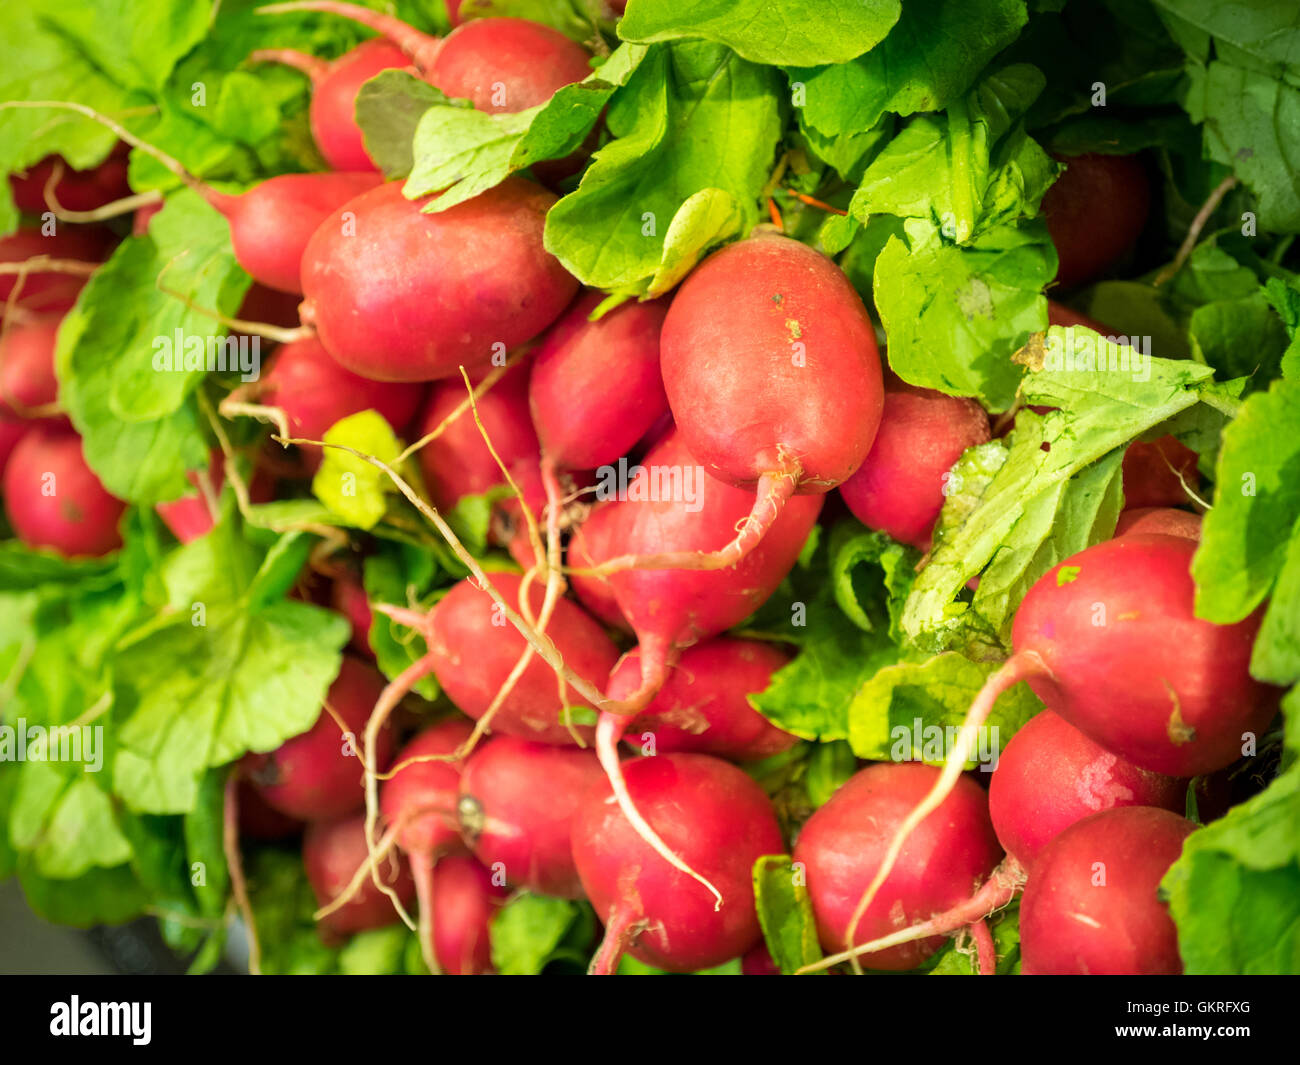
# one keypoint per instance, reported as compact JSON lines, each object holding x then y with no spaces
{"x":596,"y":388}
{"x":758,"y":962}
{"x":1095,"y":211}
{"x":334,"y":88}
{"x":1152,"y":473}
{"x":54,"y":499}
{"x":190,"y":517}
{"x":1051,"y":775}
{"x":503,"y":821}
{"x":703,"y":707}
{"x":49,"y":291}
{"x":11,"y":431}
{"x":1175,"y":696}
{"x":770,"y":365}
{"x":948,"y":857}
{"x":1074,"y":922}
{"x":711,"y":814}
{"x":900,"y":487}
{"x":318,"y":774}
{"x":348,"y":597}
{"x":76,"y":190}
{"x":332,"y":852}
{"x":1168,"y":520}
{"x":412,"y":296}
{"x":419,"y":800}
{"x":27,"y":380}
{"x":473,"y":648}
{"x":465,"y":898}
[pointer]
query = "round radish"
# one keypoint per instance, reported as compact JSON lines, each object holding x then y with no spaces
{"x":191,"y":516}
{"x":399,"y":295}
{"x":465,"y":899}
{"x":505,"y":824}
{"x":1060,"y":314}
{"x":334,"y":88}
{"x":54,"y":499}
{"x":27,"y":380}
{"x":1158,"y":473}
{"x":11,"y":431}
{"x":1095,"y":211}
{"x":1166,"y":520}
{"x":1092,"y":905}
{"x":703,"y":706}
{"x":76,"y":190}
{"x":262,"y":822}
{"x":843,"y":844}
{"x":348,"y":597}
{"x":318,"y":774}
{"x":1051,"y":775}
{"x":900,"y":487}
{"x":49,"y":291}
{"x":770,"y":365}
{"x":706,"y":810}
{"x":332,"y":852}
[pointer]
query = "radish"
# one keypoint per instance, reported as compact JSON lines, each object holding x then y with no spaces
{"x":1060,"y":314}
{"x":1159,"y":520}
{"x":1159,"y":473}
{"x":418,"y":801}
{"x":899,"y":489}
{"x":54,"y":499}
{"x":465,"y":899}
{"x":193,"y":515}
{"x":314,"y":392}
{"x":473,"y":649}
{"x":11,"y":431}
{"x":1094,"y":212}
{"x":412,"y":296}
{"x":1051,"y":775}
{"x":75,"y":190}
{"x":705,"y":809}
{"x":703,"y":707}
{"x":334,"y":87}
{"x":259,"y":821}
{"x":843,"y":845}
{"x":348,"y":597}
{"x":28,"y":387}
{"x":770,"y":365}
{"x":498,"y":64}
{"x":332,"y":852}
{"x":50,"y":290}
{"x":1092,"y":905}
{"x":318,"y":775}
{"x":758,"y":962}
{"x":503,"y":821}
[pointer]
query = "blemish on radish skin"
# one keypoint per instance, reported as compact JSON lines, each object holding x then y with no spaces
{"x":1083,"y":918}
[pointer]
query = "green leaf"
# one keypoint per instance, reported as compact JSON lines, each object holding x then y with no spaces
{"x":782,"y":32}
{"x":350,"y":486}
{"x":283,"y":904}
{"x":531,"y":931}
{"x":1239,"y":338}
{"x":708,"y":217}
{"x":691,"y":117}
{"x":389,"y":109}
{"x":960,"y":959}
{"x":377,"y":952}
{"x":785,"y":912}
{"x":402,"y":575}
{"x":101,"y":896}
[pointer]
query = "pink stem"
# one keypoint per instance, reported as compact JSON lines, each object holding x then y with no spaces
{"x":619,"y":930}
{"x":422,"y":871}
{"x":313,"y":66}
{"x":421,"y":47}
{"x":986,"y":953}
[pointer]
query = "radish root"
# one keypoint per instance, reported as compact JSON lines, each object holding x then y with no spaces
{"x":235,"y":865}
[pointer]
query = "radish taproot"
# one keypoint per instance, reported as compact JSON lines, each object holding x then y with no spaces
{"x":770,"y":365}
{"x":466,"y":897}
{"x":844,"y":844}
{"x":1092,"y":904}
{"x":54,"y":499}
{"x":504,"y":823}
{"x":399,"y":295}
{"x":318,"y":774}
{"x":900,"y":487}
{"x":1095,"y":211}
{"x":704,"y":707}
{"x":706,"y":810}
{"x":332,"y":852}
{"x":1051,"y":775}
{"x":334,"y":87}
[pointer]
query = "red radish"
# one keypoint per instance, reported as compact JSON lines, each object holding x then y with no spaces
{"x":595,"y":387}
{"x":54,"y":499}
{"x":473,"y":648}
{"x":419,"y":803}
{"x":314,"y":392}
{"x":11,"y":431}
{"x":1166,"y":520}
{"x":499,"y":64}
{"x":192,"y":516}
{"x":142,"y":217}
{"x":1051,"y":775}
{"x":899,"y":489}
{"x":50,"y":291}
{"x":758,"y":962}
{"x":334,"y":87}
{"x":1095,"y":211}
{"x":706,"y":810}
{"x":262,"y":822}
{"x":75,"y":190}
{"x":703,"y":706}
{"x":1060,"y":314}
{"x":672,"y":505}
{"x":318,"y":774}
{"x":1159,"y":473}
{"x":505,"y":824}
{"x":27,"y":381}
{"x":332,"y":852}
{"x":465,"y":899}
{"x":770,"y":365}
{"x":1092,"y":905}
{"x":843,"y":845}
{"x":412,"y":296}
{"x":348,"y":597}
